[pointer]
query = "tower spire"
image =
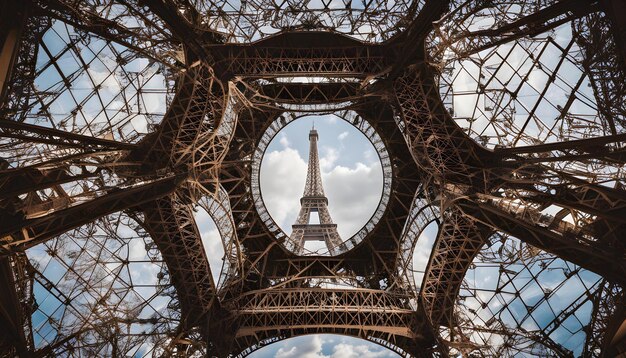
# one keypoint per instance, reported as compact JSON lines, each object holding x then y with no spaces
{"x":313,"y":186}
{"x":314,"y":200}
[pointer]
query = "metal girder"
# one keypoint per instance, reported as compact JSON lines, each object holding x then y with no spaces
{"x":411,"y":41}
{"x":187,"y":29}
{"x":194,"y":115}
{"x":201,"y":146}
{"x":568,"y":192}
{"x":13,"y":18}
{"x":605,"y":203}
{"x":422,"y":24}
{"x":24,"y":180}
{"x":28,"y":232}
{"x":15,"y":305}
{"x":301,"y":54}
{"x":179,"y":15}
{"x":560,"y":240}
{"x":437,"y":144}
{"x":547,"y":15}
{"x":458,"y":242}
{"x":607,"y":320}
{"x":604,"y":63}
{"x":616,"y":10}
{"x":590,"y":145}
{"x":39,"y":134}
{"x":171,"y":224}
{"x":309,"y":93}
{"x":19,"y":57}
{"x":368,"y":314}
{"x":148,"y":38}
{"x":541,"y":21}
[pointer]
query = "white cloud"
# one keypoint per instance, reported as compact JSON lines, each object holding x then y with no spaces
{"x":345,"y":350}
{"x":140,"y":123}
{"x":370,"y":155}
{"x":347,"y":347}
{"x":143,"y":273}
{"x":211,"y":241}
{"x":283,"y":174}
{"x":105,"y":78}
{"x":353,"y":193}
{"x":342,"y":135}
{"x":305,"y":348}
{"x":284,"y":141}
{"x":214,"y":248}
{"x":422,"y":250}
{"x":328,"y":158}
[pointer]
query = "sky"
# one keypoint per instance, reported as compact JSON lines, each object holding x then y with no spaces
{"x":323,"y":346}
{"x":353,"y":182}
{"x":351,"y":174}
{"x":352,"y":179}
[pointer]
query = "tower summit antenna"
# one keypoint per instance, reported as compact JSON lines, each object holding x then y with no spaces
{"x":314,"y":200}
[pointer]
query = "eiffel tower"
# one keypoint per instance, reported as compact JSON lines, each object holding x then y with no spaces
{"x":314,"y":201}
{"x":123,"y":124}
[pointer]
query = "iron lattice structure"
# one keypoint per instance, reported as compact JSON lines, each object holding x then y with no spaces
{"x":500,"y":123}
{"x":314,"y":201}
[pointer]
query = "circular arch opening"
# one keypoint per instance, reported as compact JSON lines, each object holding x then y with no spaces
{"x":322,"y":346}
{"x":355,"y":169}
{"x":216,"y":232}
{"x":422,"y":251}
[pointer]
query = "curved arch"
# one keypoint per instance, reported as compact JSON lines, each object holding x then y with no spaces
{"x":218,"y":208}
{"x":437,"y":144}
{"x":271,"y":315}
{"x":367,"y":130}
{"x":457,"y":244}
{"x":424,"y":246}
{"x":371,"y":261}
{"x":195,"y":134}
{"x":270,"y":341}
{"x":191,"y":120}
{"x":421,"y":215}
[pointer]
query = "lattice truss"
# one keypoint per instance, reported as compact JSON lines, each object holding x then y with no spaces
{"x":500,"y":124}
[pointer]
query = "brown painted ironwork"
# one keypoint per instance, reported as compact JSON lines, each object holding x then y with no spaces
{"x":502,"y":122}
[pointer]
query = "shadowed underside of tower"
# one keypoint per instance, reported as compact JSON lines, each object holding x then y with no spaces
{"x":501,"y":124}
{"x":314,"y":201}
